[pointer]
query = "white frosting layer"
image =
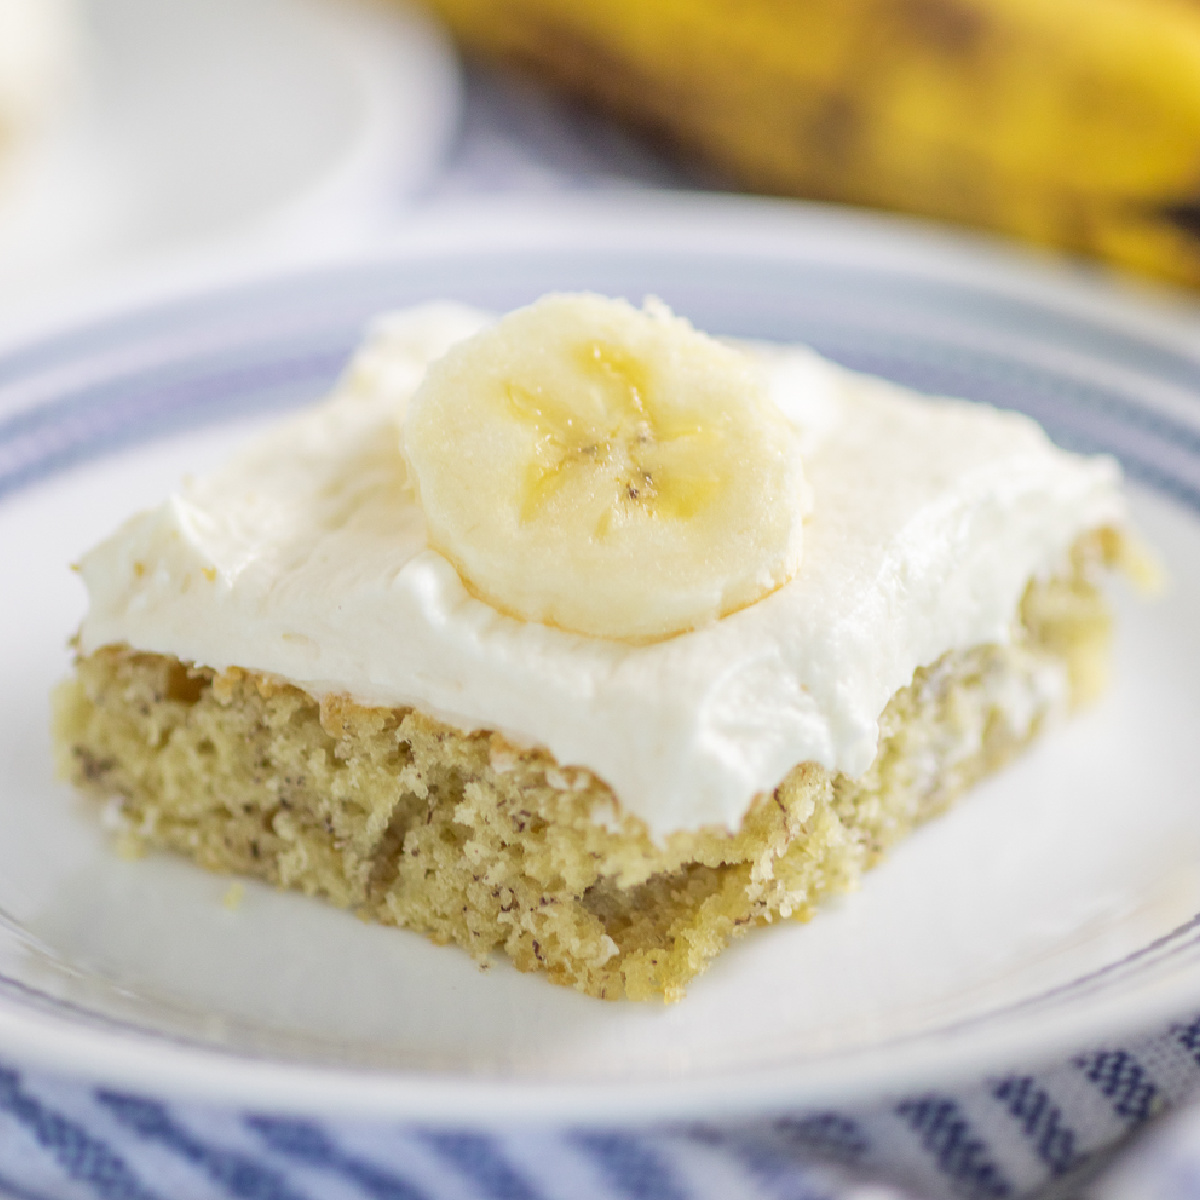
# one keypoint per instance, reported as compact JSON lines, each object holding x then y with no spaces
{"x":305,"y":558}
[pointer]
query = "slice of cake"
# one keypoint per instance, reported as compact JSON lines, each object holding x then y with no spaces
{"x":587,"y":638}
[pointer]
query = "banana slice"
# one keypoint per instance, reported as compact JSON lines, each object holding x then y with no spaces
{"x":606,"y":470}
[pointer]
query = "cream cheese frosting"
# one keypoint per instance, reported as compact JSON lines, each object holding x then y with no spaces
{"x":306,"y":558}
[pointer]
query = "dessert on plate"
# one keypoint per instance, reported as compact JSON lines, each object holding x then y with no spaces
{"x":582,"y":636}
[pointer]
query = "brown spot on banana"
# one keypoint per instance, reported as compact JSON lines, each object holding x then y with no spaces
{"x":1184,"y":215}
{"x":956,"y":29}
{"x":833,"y":130}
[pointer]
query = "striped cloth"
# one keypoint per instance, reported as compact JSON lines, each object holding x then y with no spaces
{"x":1055,"y":1132}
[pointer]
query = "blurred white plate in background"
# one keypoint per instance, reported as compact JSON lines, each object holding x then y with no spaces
{"x":213,"y":126}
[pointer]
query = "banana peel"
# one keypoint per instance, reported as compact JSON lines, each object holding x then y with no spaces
{"x":1073,"y":124}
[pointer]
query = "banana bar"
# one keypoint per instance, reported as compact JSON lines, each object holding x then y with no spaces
{"x":587,"y":639}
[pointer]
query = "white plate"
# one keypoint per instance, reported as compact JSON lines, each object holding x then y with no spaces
{"x":1055,"y":904}
{"x":200,"y":123}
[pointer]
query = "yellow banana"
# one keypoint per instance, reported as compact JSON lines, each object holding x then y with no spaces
{"x":1070,"y":123}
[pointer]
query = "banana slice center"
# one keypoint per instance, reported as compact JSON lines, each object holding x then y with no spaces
{"x":653,"y":462}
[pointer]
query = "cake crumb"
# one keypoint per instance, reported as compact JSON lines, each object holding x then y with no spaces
{"x":502,"y":759}
{"x":234,"y":895}
{"x":129,"y":846}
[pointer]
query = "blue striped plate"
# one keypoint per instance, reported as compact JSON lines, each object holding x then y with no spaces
{"x":1059,"y":901}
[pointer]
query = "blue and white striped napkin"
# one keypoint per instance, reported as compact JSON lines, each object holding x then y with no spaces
{"x":1054,"y":1131}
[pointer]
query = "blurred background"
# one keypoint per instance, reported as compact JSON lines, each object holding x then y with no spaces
{"x":143,"y":132}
